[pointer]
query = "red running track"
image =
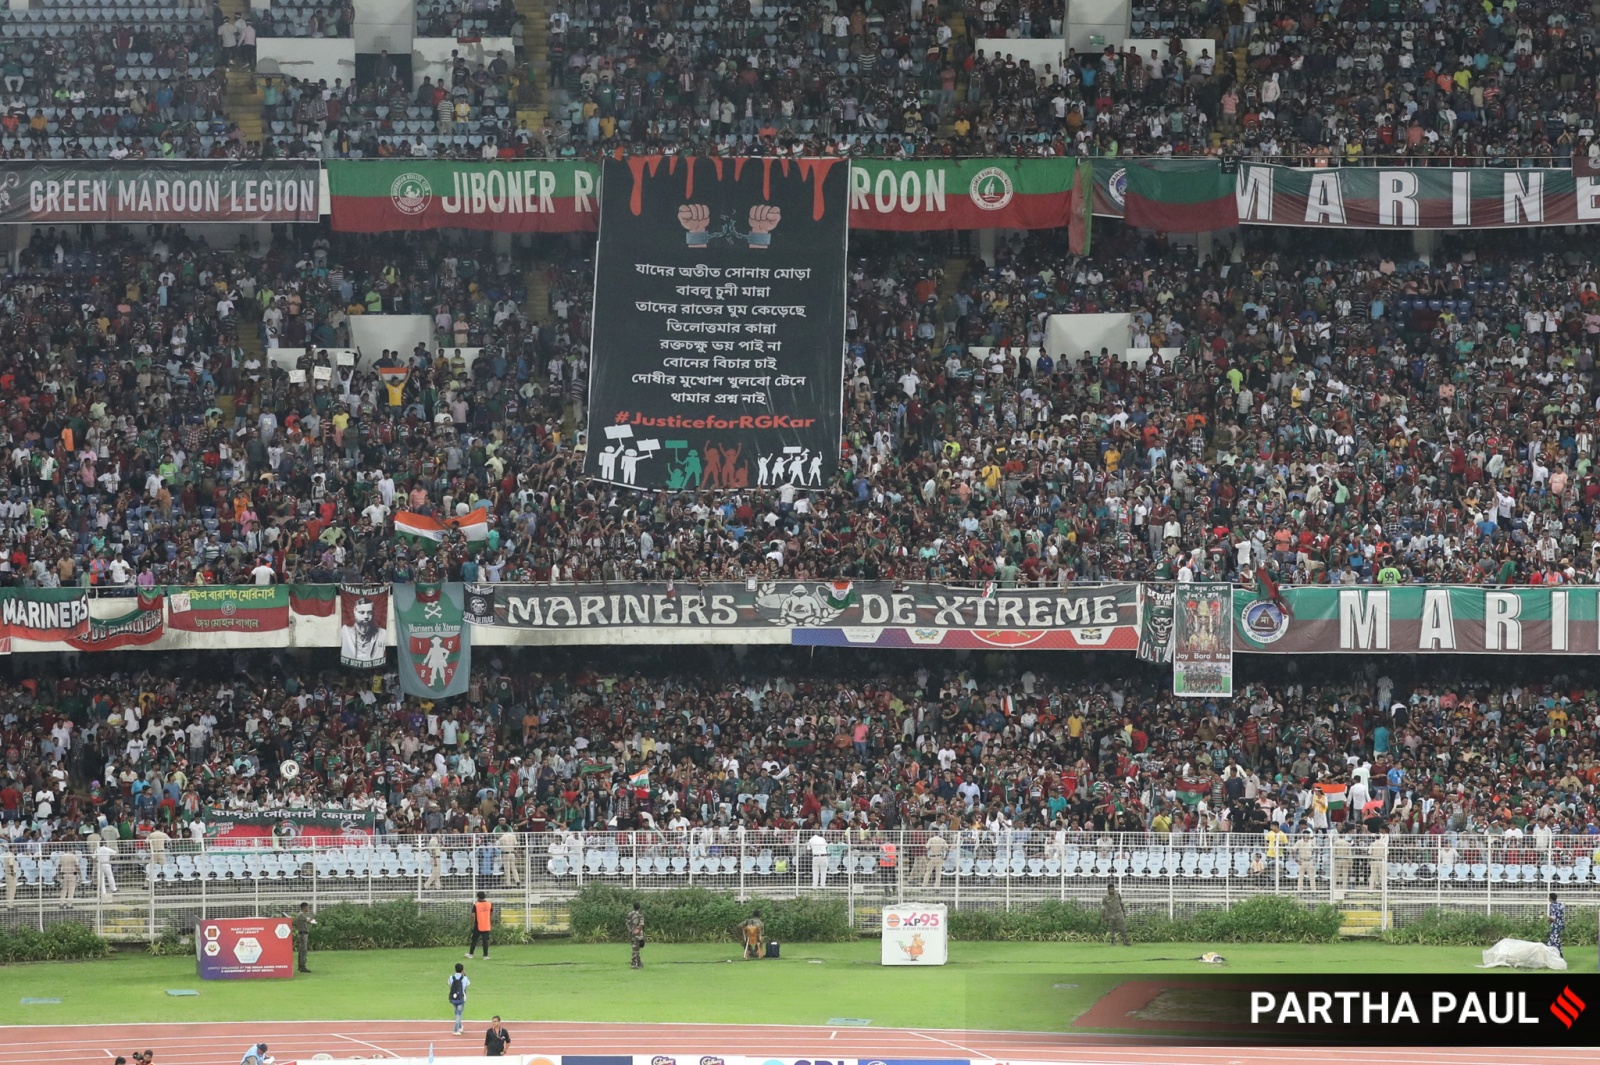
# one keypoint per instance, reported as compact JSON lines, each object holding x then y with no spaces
{"x":224,"y":1044}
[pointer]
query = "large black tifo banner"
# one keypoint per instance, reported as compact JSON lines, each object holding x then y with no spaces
{"x":719,"y":328}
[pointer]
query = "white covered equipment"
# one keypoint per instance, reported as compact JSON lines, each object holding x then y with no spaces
{"x":1520,"y":954}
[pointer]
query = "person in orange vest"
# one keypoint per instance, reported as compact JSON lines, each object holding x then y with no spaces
{"x":482,"y":921}
{"x":888,"y":858}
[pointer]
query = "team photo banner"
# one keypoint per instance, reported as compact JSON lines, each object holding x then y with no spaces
{"x":515,"y":196}
{"x":188,"y":191}
{"x":1104,"y":616}
{"x":1424,"y":619}
{"x":1202,"y":652}
{"x":718,"y":354}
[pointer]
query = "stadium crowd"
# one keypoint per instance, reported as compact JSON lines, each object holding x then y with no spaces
{"x":1446,"y":83}
{"x":772,"y":743}
{"x":1334,"y":417}
{"x":1332,"y":412}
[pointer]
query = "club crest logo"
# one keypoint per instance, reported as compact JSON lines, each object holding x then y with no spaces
{"x":992,"y":189}
{"x":411,"y":193}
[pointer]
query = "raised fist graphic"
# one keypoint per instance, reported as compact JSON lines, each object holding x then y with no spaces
{"x":696,"y":218}
{"x":764,"y":218}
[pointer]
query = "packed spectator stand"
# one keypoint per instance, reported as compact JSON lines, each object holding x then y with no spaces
{"x":1328,"y":417}
{"x":1025,"y":769}
{"x":1339,"y":412}
{"x":1447,"y":83}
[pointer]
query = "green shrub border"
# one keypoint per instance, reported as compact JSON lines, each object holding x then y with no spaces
{"x":696,"y":915}
{"x":1258,"y":919}
{"x":58,"y":942}
{"x":1463,"y":928}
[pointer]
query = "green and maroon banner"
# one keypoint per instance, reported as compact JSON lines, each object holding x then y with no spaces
{"x":1168,"y":194}
{"x":1180,"y":196}
{"x":1415,"y":198}
{"x":1110,"y":187}
{"x":1419,"y":619}
{"x":44,"y":615}
{"x":187,"y":191}
{"x":286,"y":827}
{"x":228,"y":608}
{"x":144,"y":624}
{"x":314,"y":600}
{"x":517,"y":196}
{"x":935,"y":194}
{"x":560,"y":197}
{"x":1080,"y":226}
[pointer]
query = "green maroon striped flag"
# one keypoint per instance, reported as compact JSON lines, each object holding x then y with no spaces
{"x":1180,"y":196}
{"x":513,"y":196}
{"x":932,"y":194}
{"x":314,"y":600}
{"x":1081,"y":210}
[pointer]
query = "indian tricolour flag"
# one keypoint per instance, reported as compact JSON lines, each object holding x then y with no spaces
{"x":421,"y":529}
{"x":1335,"y":794}
{"x":841,"y":594}
{"x":641,"y":779}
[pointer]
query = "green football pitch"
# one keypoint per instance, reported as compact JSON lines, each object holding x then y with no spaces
{"x":995,"y":986}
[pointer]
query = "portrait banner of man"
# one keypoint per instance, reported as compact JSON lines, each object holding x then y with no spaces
{"x":363,"y":625}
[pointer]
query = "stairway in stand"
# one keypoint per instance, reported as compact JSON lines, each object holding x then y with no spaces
{"x":958,"y":29}
{"x":242,"y":98}
{"x":537,"y":307}
{"x":954,"y":271}
{"x":242,"y":101}
{"x":534,"y":109}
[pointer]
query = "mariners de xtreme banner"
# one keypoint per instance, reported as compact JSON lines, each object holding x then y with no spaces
{"x":718,"y":348}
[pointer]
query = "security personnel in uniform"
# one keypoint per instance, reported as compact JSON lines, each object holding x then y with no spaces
{"x":482,"y":922}
{"x":302,"y":934}
{"x":1114,"y":915}
{"x":636,"y":936}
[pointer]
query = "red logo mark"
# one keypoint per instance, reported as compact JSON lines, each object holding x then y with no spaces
{"x":1567,"y":1007}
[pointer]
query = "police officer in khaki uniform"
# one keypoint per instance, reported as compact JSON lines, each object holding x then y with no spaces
{"x":1115,"y":916}
{"x":636,"y":936}
{"x":302,"y":934}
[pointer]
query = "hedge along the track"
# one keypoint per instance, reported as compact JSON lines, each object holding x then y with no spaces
{"x":58,"y":942}
{"x":1258,"y":919}
{"x":694,"y":915}
{"x":1463,"y":928}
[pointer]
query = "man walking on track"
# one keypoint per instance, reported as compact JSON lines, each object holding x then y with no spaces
{"x":1115,"y":916}
{"x":302,"y":934}
{"x":482,"y":921}
{"x":496,"y":1039}
{"x":458,"y":994}
{"x":636,"y":936}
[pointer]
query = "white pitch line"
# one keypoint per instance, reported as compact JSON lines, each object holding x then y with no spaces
{"x":372,"y":1046}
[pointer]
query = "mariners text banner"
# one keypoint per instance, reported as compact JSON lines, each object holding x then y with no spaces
{"x":1378,"y":197}
{"x":860,"y":613}
{"x":1426,"y":619}
{"x":188,"y":191}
